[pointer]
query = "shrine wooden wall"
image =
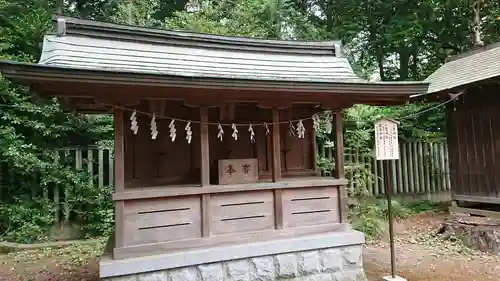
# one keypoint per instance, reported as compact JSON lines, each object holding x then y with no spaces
{"x":474,"y":145}
{"x":161,"y":161}
{"x":174,"y":223}
{"x":151,"y":162}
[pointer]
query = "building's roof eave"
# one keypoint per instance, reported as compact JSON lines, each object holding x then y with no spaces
{"x":476,"y":66}
{"x":474,"y":51}
{"x":104,"y":30}
{"x":29,"y":73}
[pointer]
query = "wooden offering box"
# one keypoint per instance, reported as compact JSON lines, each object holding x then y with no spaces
{"x":233,"y":171}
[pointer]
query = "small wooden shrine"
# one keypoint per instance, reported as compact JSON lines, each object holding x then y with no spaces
{"x":469,"y":83}
{"x":215,"y":148}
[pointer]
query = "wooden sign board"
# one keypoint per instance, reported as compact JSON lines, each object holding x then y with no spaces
{"x":386,"y":140}
{"x":235,"y":171}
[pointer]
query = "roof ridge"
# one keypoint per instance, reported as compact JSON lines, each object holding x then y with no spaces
{"x":98,"y":29}
{"x":473,"y":51}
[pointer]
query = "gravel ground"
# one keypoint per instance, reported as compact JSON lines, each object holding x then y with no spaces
{"x":421,"y":256}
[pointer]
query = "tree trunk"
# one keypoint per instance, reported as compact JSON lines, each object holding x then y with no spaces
{"x":278,"y":19}
{"x":414,"y":65}
{"x":59,"y":7}
{"x":404,"y":63}
{"x":130,"y":15}
{"x":478,"y":233}
{"x":329,"y":17}
{"x":380,"y":62}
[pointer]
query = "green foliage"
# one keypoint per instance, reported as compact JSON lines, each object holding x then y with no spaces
{"x":228,"y":17}
{"x":26,"y":220}
{"x":369,"y":219}
{"x":255,"y":18}
{"x":370,"y":215}
{"x":426,"y":206}
{"x":324,"y":164}
{"x":137,"y":12}
{"x":399,"y":211}
{"x":98,"y":217}
{"x":31,"y":129}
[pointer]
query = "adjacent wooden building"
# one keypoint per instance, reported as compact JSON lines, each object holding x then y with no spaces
{"x":471,"y":83}
{"x":215,"y":164}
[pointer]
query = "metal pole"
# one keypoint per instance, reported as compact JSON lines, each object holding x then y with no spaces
{"x":389,"y":214}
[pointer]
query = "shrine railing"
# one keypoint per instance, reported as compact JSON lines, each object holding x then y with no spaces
{"x":167,"y":219}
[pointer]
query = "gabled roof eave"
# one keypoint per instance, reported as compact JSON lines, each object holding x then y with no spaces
{"x":29,"y":72}
{"x":476,"y":66}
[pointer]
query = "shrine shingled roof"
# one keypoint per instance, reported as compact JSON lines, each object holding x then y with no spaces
{"x":467,"y":68}
{"x":99,"y":53}
{"x":87,"y":44}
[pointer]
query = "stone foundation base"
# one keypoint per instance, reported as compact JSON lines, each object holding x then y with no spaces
{"x":332,"y":264}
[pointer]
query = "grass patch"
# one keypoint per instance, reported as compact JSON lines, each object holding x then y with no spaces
{"x":68,"y":257}
{"x":427,"y":206}
{"x":369,"y":215}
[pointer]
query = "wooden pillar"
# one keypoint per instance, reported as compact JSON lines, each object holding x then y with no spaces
{"x":340,"y":165}
{"x":205,"y":171}
{"x":205,"y":160}
{"x":119,"y":175}
{"x":276,"y":146}
{"x":276,"y":153}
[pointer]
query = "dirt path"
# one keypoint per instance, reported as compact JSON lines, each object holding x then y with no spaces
{"x":377,"y":264}
{"x":75,"y":263}
{"x":421,"y":257}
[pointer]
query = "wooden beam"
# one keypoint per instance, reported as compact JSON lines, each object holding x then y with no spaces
{"x":119,"y":175}
{"x":197,"y":102}
{"x":177,"y":191}
{"x":229,"y":239}
{"x":214,"y":97}
{"x":476,"y":199}
{"x":278,"y":103}
{"x":340,"y":165}
{"x":205,"y":171}
{"x":226,"y":111}
{"x":117,"y":99}
{"x":472,"y":211}
{"x":157,"y":106}
{"x":204,"y":147}
{"x":334,"y":104}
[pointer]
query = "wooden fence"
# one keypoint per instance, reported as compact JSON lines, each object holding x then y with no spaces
{"x":422,"y":168}
{"x":98,"y":162}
